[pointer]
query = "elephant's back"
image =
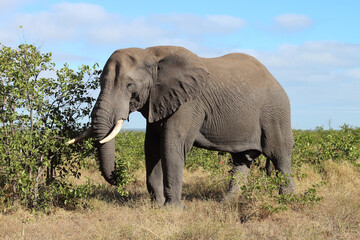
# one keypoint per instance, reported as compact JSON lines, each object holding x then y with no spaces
{"x":244,"y":77}
{"x":240,"y":70}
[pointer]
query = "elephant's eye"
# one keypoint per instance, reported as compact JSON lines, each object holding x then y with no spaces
{"x":130,"y":85}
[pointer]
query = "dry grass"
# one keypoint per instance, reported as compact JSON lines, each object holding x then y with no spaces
{"x":337,"y":216}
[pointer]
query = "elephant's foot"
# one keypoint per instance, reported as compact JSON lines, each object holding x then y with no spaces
{"x":174,"y":204}
{"x":158,"y":202}
{"x":289,"y":188}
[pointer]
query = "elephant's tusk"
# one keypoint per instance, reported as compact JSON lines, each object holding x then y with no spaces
{"x":114,"y":132}
{"x":84,"y":135}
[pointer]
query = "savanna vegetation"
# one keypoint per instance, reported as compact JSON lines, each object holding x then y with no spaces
{"x":49,"y":190}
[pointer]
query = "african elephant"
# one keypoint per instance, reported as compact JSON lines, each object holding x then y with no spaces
{"x":230,"y":103}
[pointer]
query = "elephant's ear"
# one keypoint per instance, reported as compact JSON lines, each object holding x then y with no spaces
{"x":180,"y":78}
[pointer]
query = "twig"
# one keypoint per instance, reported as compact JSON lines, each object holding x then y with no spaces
{"x":150,"y":231}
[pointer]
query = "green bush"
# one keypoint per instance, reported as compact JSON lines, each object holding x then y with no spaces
{"x":36,"y":113}
{"x":259,"y":197}
{"x":212,"y":161}
{"x":314,"y":147}
{"x":129,"y":157}
{"x":129,"y":149}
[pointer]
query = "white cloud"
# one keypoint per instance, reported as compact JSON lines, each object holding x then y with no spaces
{"x":91,"y":23}
{"x":64,"y":21}
{"x":292,"y":22}
{"x":80,"y":13}
{"x":226,"y":23}
{"x":45,"y":26}
{"x":119,"y":31}
{"x":311,"y":58}
{"x":8,"y":4}
{"x":189,"y":24}
{"x":353,"y":73}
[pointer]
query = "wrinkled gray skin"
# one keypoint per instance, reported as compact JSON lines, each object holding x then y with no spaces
{"x":231,"y":103}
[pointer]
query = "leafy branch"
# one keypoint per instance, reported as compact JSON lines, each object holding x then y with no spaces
{"x":37,"y":111}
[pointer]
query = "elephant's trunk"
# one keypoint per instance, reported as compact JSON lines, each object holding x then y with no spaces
{"x":102,"y":124}
{"x":106,"y":120}
{"x":106,"y":153}
{"x":85,"y":135}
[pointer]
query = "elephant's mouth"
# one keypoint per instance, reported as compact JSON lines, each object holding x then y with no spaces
{"x":89,"y":132}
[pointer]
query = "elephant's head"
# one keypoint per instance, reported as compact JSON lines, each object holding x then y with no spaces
{"x":154,"y":81}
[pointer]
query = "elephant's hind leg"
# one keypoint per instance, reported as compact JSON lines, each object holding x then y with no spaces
{"x":241,"y":169}
{"x":277,"y":146}
{"x":283,"y":165}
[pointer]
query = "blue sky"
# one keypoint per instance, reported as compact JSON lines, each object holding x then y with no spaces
{"x":311,"y":47}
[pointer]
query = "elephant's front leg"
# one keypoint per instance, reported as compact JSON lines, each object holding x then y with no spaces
{"x":177,"y":139}
{"x":154,"y":172}
{"x":173,"y":160}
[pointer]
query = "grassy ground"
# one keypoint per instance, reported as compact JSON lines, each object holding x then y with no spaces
{"x":204,"y":216}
